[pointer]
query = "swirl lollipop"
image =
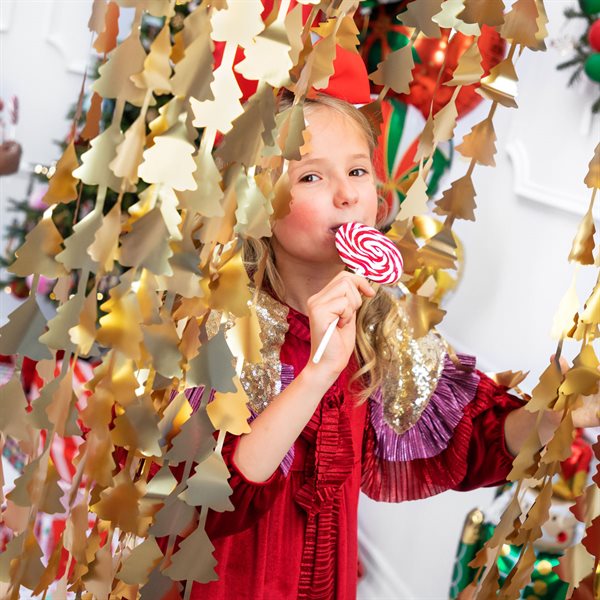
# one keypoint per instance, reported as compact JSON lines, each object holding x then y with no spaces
{"x":369,"y":253}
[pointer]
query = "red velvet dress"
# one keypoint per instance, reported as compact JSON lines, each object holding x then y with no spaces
{"x":295,"y":535}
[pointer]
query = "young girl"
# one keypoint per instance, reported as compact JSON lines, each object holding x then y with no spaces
{"x":382,"y":411}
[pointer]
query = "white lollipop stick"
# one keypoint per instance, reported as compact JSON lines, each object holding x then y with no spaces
{"x":325,"y":340}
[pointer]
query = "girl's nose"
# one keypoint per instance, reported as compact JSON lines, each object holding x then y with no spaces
{"x":345,"y":194}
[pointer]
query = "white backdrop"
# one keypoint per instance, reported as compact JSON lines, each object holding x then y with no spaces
{"x":516,"y":268}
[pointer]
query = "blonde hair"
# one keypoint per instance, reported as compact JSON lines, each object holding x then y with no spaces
{"x":377,"y":320}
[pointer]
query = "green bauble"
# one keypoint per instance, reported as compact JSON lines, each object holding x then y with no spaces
{"x":590,"y":7}
{"x":592,"y":66}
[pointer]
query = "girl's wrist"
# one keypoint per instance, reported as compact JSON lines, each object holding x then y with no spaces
{"x":319,"y":376}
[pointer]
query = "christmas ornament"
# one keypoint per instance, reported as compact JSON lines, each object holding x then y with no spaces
{"x":439,"y":58}
{"x":594,"y":35}
{"x":590,"y":7}
{"x":592,"y":67}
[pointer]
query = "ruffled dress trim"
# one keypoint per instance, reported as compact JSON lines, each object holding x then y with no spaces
{"x":431,"y":434}
{"x":461,"y":465}
{"x":329,"y":463}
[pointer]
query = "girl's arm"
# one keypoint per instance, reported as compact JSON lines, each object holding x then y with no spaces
{"x":276,"y":428}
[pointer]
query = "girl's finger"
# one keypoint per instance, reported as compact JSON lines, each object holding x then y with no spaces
{"x":354,"y":294}
{"x":338,"y":307}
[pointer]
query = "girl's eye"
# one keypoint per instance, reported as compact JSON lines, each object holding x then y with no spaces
{"x":358,"y":172}
{"x":310,"y":178}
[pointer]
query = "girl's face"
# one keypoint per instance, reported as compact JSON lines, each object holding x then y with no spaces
{"x":331,"y":185}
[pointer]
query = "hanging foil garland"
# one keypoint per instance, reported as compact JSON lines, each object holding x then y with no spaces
{"x":180,"y":323}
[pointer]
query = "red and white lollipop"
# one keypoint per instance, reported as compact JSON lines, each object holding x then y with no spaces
{"x":368,"y":253}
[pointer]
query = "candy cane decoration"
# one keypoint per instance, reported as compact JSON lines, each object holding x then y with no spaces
{"x":369,"y":253}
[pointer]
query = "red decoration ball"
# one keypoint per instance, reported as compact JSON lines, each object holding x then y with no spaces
{"x":592,"y":66}
{"x":594,"y":35}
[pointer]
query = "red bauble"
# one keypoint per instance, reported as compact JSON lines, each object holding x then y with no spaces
{"x":431,"y":52}
{"x":594,"y":35}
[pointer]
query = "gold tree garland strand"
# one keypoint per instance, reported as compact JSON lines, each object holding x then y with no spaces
{"x":162,"y":332}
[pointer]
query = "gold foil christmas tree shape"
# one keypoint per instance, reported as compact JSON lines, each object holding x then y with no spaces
{"x":396,"y":70}
{"x":469,"y":69}
{"x":105,"y":247}
{"x":418,"y":14}
{"x":170,"y":160}
{"x":582,"y":250}
{"x":225,"y":108}
{"x":147,"y":245}
{"x":254,"y":210}
{"x":137,"y":428}
{"x":245,"y":139}
{"x":318,"y":67}
{"x":521,"y":24}
{"x":448,"y":18}
{"x":37,"y":254}
{"x":213,"y":366}
{"x":230,"y":411}
{"x":592,"y":179}
{"x":84,"y":333}
{"x":194,"y":560}
{"x":205,"y":198}
{"x":415,"y":203}
{"x":12,"y":410}
{"x":193,"y":73}
{"x":20,"y":335}
{"x":564,"y":319}
{"x":239,"y":23}
{"x":129,"y":152}
{"x":501,"y":84}
{"x":157,"y":68}
{"x":75,"y":256}
{"x":488,"y":12}
{"x":120,"y":326}
{"x":458,"y":201}
{"x":94,"y":169}
{"x":63,"y":186}
{"x":479,"y":144}
{"x":208,"y":485}
{"x":444,"y":122}
{"x":96,"y":20}
{"x":107,"y":36}
{"x":161,"y":341}
{"x":136,"y":567}
{"x":268,"y":57}
{"x":92,"y":119}
{"x":125,"y":60}
{"x":423,"y":314}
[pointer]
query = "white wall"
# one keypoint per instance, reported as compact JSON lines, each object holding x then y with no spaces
{"x":44,"y":50}
{"x":516,"y":253}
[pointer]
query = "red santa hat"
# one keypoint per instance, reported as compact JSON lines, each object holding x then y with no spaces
{"x":350,"y":80}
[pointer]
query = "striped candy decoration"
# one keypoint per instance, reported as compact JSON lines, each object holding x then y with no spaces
{"x":369,"y":253}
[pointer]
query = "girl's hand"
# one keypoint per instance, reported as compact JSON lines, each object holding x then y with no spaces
{"x":341,"y":297}
{"x":588,"y":415}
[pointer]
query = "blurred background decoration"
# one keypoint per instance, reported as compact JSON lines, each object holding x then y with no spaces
{"x":586,"y":48}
